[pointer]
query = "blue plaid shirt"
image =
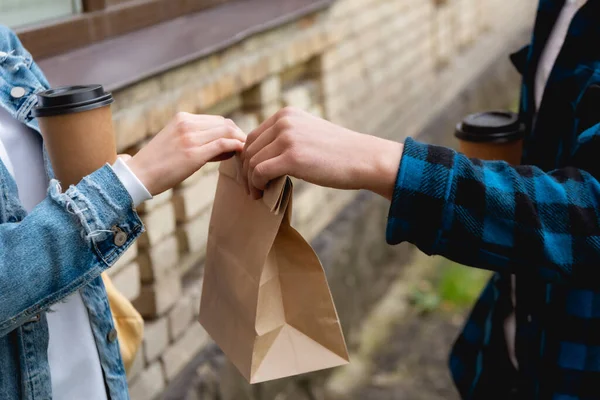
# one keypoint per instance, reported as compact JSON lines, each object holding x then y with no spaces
{"x":539,"y":221}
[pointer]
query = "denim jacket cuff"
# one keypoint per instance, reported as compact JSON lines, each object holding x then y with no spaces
{"x":105,"y":210}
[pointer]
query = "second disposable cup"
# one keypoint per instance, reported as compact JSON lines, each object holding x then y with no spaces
{"x":76,"y":123}
{"x":494,"y":135}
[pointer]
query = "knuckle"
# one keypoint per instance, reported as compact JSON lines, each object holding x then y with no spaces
{"x":253,"y":163}
{"x":230,"y":131}
{"x":251,"y":137}
{"x":287,"y":112}
{"x":259,"y":172}
{"x":183,"y":126}
{"x":180,"y":116}
{"x":222,"y":144}
{"x":287,"y":138}
{"x":186,"y":139}
{"x":188,"y":153}
{"x":283,"y":124}
{"x":282,"y":113}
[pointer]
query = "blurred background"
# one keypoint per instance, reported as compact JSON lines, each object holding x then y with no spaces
{"x":393,"y":68}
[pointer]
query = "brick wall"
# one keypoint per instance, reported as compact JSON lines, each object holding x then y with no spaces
{"x":384,"y":67}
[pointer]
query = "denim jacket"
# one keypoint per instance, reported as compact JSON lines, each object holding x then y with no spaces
{"x":55,"y":250}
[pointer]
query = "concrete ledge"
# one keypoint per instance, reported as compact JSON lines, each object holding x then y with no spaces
{"x":138,"y":55}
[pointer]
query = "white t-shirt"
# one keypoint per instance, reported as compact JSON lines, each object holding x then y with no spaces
{"x":75,"y":367}
{"x":545,"y":66}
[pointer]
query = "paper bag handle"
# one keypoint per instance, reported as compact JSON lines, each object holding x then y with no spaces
{"x":277,"y":195}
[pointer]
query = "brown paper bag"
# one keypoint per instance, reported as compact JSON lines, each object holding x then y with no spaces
{"x":265,"y":298}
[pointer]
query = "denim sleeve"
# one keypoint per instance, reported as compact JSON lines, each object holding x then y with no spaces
{"x":9,"y":42}
{"x":491,"y":215}
{"x":68,"y":240}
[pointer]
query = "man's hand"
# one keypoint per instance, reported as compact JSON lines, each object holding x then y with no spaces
{"x":296,"y":143}
{"x":187,"y":143}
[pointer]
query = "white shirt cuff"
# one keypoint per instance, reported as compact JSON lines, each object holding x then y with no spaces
{"x":134,"y":186}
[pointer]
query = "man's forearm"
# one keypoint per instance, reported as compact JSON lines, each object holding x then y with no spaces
{"x":293,"y":142}
{"x":381,"y":177}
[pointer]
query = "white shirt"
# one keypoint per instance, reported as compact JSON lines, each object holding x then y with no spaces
{"x":545,"y":66}
{"x":75,"y":367}
{"x":554,"y":45}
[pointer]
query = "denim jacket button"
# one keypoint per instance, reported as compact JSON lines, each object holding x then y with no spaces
{"x":17,"y":92}
{"x":112,"y":335}
{"x":120,"y":238}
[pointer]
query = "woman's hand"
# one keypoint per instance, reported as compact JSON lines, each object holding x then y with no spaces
{"x":184,"y":146}
{"x":296,"y":143}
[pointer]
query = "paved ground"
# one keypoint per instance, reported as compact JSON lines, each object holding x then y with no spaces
{"x":408,"y":363}
{"x":413,"y":366}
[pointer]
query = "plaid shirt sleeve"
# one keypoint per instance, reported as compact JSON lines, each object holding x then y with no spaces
{"x":491,"y":215}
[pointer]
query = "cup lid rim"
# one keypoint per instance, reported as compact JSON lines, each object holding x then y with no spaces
{"x":496,"y":126}
{"x":85,"y":103}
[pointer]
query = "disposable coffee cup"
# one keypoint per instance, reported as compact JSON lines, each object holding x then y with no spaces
{"x":492,"y":135}
{"x":76,"y":124}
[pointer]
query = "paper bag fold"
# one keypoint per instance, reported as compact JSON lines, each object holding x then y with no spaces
{"x":265,"y":299}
